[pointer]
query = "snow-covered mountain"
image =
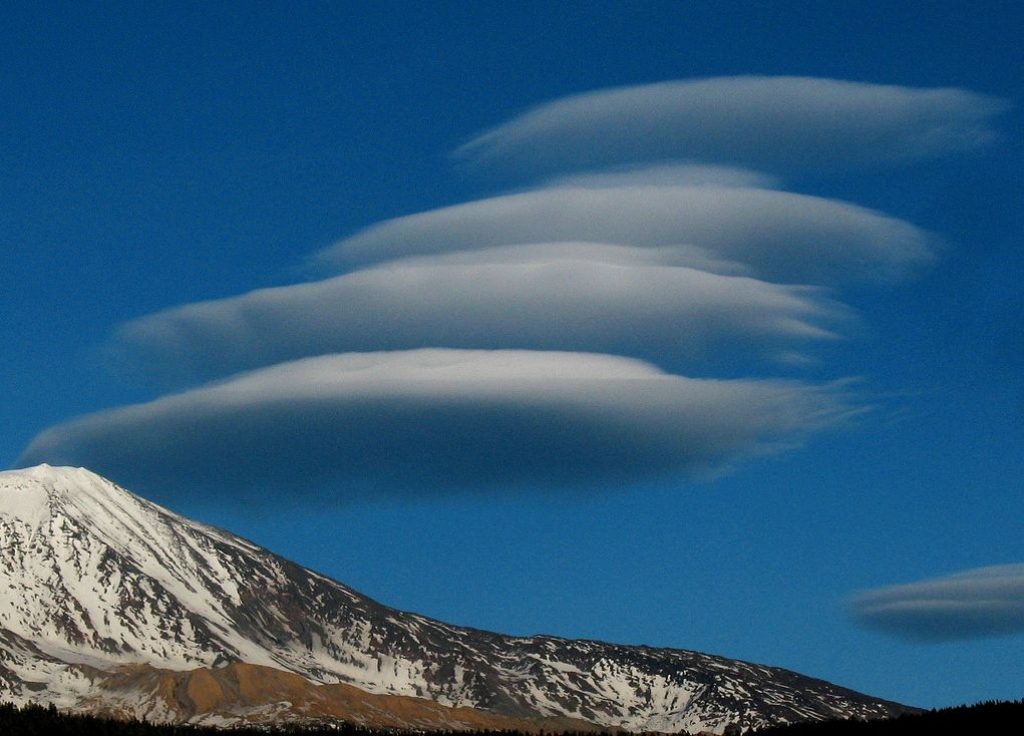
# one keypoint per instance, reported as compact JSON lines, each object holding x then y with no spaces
{"x":111,"y":603}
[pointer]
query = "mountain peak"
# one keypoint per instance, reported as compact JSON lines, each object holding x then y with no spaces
{"x":41,"y":493}
{"x":31,"y":494}
{"x":56,"y":481}
{"x":45,"y":471}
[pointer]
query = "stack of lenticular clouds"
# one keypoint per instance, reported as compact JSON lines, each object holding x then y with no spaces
{"x":550,"y":337}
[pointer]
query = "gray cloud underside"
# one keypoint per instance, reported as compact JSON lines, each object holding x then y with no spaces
{"x":682,"y":255}
{"x":435,"y":420}
{"x":776,"y":123}
{"x":560,"y":296}
{"x":667,"y":174}
{"x":987,"y":601}
{"x":782,"y":236}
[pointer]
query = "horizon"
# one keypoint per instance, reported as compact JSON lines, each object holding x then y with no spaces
{"x":695,"y":327}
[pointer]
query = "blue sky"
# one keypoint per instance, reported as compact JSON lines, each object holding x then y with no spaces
{"x":819,"y":359}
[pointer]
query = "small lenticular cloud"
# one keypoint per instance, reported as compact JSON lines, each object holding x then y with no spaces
{"x":986,"y":601}
{"x":771,"y":123}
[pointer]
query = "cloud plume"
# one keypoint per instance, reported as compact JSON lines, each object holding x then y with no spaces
{"x":986,"y":601}
{"x":771,"y":123}
{"x":433,"y":420}
{"x":781,"y":236}
{"x":581,"y":297}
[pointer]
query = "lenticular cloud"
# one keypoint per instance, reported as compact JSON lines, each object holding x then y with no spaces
{"x":986,"y":601}
{"x":534,"y":339}
{"x":779,"y":235}
{"x":774,"y":123}
{"x":559,"y":296}
{"x":424,"y":421}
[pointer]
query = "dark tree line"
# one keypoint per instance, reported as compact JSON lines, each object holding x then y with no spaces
{"x":985,"y":719}
{"x":990,"y":718}
{"x":37,"y":720}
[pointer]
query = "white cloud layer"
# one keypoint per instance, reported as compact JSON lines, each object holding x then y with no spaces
{"x":582,"y":297}
{"x":772,"y":123}
{"x":782,"y":236}
{"x":434,"y":420}
{"x":986,"y":601}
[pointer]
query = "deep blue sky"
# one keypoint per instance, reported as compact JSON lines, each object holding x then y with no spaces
{"x":157,"y":155}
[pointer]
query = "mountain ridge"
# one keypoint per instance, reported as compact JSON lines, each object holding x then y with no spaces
{"x":93,"y":576}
